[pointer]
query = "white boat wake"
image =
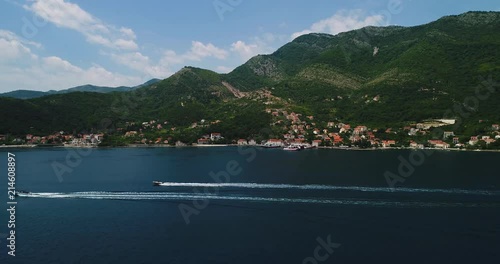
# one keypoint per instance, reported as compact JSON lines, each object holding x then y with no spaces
{"x":190,"y":196}
{"x":325,"y":187}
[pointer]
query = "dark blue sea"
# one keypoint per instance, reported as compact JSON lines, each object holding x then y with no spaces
{"x":231,"y":205}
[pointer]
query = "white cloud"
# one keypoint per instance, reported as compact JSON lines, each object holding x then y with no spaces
{"x":69,"y":15}
{"x":263,"y":44}
{"x":141,"y":63}
{"x":21,"y":68}
{"x":224,"y":69}
{"x":128,"y":32}
{"x":7,"y":35}
{"x":163,"y":67}
{"x":343,"y":21}
{"x":14,"y":48}
{"x":245,"y":51}
{"x":200,"y":50}
{"x":125,"y":44}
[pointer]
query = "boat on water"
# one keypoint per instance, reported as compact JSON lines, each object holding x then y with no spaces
{"x":21,"y":193}
{"x":157,"y":183}
{"x":292,"y":148}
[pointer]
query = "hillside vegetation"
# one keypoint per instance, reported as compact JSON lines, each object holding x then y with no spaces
{"x":377,"y":76}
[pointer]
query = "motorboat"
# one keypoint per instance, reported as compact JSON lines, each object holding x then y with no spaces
{"x":21,"y":193}
{"x":292,"y":148}
{"x":157,"y":183}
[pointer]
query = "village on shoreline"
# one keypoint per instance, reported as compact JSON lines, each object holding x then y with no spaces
{"x":297,"y":131}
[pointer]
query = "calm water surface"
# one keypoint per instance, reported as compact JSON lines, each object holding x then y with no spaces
{"x":272,"y":207}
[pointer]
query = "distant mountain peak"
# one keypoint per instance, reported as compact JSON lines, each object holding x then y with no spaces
{"x":475,"y":17}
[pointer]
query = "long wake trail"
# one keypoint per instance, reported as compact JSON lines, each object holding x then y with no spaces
{"x":241,"y":193}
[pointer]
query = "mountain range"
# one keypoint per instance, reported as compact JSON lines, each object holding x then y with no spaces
{"x":377,"y":76}
{"x":28,"y":94}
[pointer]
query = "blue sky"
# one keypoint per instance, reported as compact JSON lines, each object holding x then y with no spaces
{"x":57,"y":44}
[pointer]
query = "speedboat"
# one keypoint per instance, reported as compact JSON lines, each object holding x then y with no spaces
{"x":157,"y":183}
{"x":21,"y":193}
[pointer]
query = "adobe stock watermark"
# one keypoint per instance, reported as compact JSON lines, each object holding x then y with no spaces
{"x":122,"y":107}
{"x":223,"y":6}
{"x":408,"y":165}
{"x":233,"y":168}
{"x":30,"y":26}
{"x":323,"y":251}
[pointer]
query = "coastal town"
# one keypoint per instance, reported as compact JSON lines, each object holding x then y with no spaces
{"x":296,"y":130}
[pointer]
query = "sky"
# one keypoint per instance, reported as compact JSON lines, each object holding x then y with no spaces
{"x":58,"y":44}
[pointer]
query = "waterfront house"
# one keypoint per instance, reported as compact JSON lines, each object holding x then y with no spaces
{"x":388,"y":143}
{"x":357,"y":131}
{"x":180,"y":144}
{"x":473,"y":140}
{"x":252,"y":142}
{"x":274,"y":143}
{"x":337,"y":139}
{"x":439,"y":144}
{"x":215,"y":136}
{"x":299,"y":141}
{"x":355,"y":138}
{"x":489,"y":141}
{"x":242,"y":142}
{"x":99,"y":137}
{"x":456,"y":140}
{"x":203,"y":141}
{"x":316,"y":143}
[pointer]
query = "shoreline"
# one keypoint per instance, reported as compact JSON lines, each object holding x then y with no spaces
{"x":235,"y":145}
